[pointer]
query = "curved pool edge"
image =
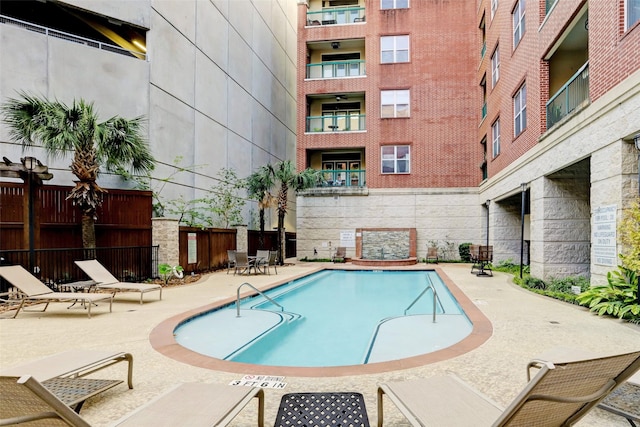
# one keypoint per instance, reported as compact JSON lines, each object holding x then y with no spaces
{"x":163,"y":341}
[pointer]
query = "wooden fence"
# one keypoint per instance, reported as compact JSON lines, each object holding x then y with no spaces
{"x":124,"y":219}
{"x":211,"y":246}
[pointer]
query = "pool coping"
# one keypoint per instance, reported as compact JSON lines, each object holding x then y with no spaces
{"x":163,"y":341}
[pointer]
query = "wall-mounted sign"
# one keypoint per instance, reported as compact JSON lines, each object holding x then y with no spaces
{"x":604,"y":236}
{"x":192,"y":248}
{"x":348,"y":238}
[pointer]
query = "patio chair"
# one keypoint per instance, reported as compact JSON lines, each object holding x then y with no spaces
{"x":105,"y":280}
{"x":272,"y":262}
{"x":432,"y":255}
{"x":231,"y":259}
{"x":340,"y":255}
{"x":33,"y":290}
{"x":474,"y":253}
{"x":243,"y":265}
{"x":485,"y":257}
{"x":25,"y":399}
{"x":261,"y":260}
{"x":558,"y":395}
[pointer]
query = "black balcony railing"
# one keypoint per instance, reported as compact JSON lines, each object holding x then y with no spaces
{"x":56,"y":267}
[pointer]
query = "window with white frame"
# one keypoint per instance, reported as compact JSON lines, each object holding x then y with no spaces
{"x":396,"y":159}
{"x":495,"y":66}
{"x":494,"y":7}
{"x":518,"y":22}
{"x":394,"y":49}
{"x":520,"y":110}
{"x":394,"y":4}
{"x":495,"y":137}
{"x":394,"y":103}
{"x":632,"y":13}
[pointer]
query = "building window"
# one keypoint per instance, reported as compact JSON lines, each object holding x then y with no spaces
{"x":394,"y":49}
{"x":632,"y":11}
{"x":495,"y":137}
{"x":396,"y":159}
{"x":518,"y":22}
{"x":394,"y":4}
{"x":494,"y":7}
{"x":394,"y":103}
{"x":495,"y":66}
{"x":520,"y":110}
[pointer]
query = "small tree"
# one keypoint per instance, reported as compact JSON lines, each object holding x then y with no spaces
{"x":285,"y":174}
{"x":629,"y":229}
{"x":156,"y":185}
{"x":60,"y":128}
{"x":259,"y":185}
{"x":224,"y":201}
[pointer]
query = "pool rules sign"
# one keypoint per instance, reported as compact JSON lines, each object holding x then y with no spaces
{"x":604,"y":236}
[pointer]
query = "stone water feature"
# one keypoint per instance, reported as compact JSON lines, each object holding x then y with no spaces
{"x":384,"y":247}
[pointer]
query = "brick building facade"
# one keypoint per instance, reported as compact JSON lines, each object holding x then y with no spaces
{"x":445,"y":116}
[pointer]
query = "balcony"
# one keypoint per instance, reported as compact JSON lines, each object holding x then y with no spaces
{"x":572,"y":95}
{"x":336,"y":69}
{"x":336,"y":15}
{"x":341,"y":178}
{"x":336,"y":123}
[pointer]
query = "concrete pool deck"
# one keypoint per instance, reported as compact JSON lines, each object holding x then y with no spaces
{"x":524,"y":325}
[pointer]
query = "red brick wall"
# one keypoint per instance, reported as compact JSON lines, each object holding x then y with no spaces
{"x":613,"y":53}
{"x":613,"y":56}
{"x":445,"y":102}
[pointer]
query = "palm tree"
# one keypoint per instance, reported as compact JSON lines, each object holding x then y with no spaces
{"x":116,"y":142}
{"x":259,"y":185}
{"x":285,"y":173}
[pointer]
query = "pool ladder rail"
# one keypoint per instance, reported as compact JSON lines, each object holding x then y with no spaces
{"x":436,"y":299}
{"x":258,"y":291}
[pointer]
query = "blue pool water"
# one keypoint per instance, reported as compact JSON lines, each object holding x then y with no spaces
{"x":332,"y":318}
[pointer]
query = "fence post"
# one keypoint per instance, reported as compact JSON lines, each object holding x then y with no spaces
{"x":242,"y":237}
{"x":166,"y":235}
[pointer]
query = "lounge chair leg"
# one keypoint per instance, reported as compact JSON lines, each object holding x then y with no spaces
{"x":260,"y":397}
{"x":19,"y":308}
{"x":380,"y":412}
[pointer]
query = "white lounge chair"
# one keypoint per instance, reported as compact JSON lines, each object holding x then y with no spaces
{"x":106,"y":280}
{"x":33,"y":290}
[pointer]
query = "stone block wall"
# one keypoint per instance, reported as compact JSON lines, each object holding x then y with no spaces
{"x":165,"y":233}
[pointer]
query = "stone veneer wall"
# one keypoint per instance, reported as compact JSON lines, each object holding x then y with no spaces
{"x":166,"y":234}
{"x":385,"y":243}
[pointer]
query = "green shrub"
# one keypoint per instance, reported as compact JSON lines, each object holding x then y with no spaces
{"x":465,"y":253}
{"x":616,"y":298}
{"x":534,"y":283}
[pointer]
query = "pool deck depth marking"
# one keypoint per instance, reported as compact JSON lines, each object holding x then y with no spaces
{"x":163,"y":341}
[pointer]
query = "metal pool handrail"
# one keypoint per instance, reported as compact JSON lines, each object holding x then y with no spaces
{"x":435,"y":298}
{"x":258,"y":291}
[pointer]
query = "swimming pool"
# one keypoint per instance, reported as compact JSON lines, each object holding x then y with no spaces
{"x":333,"y":318}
